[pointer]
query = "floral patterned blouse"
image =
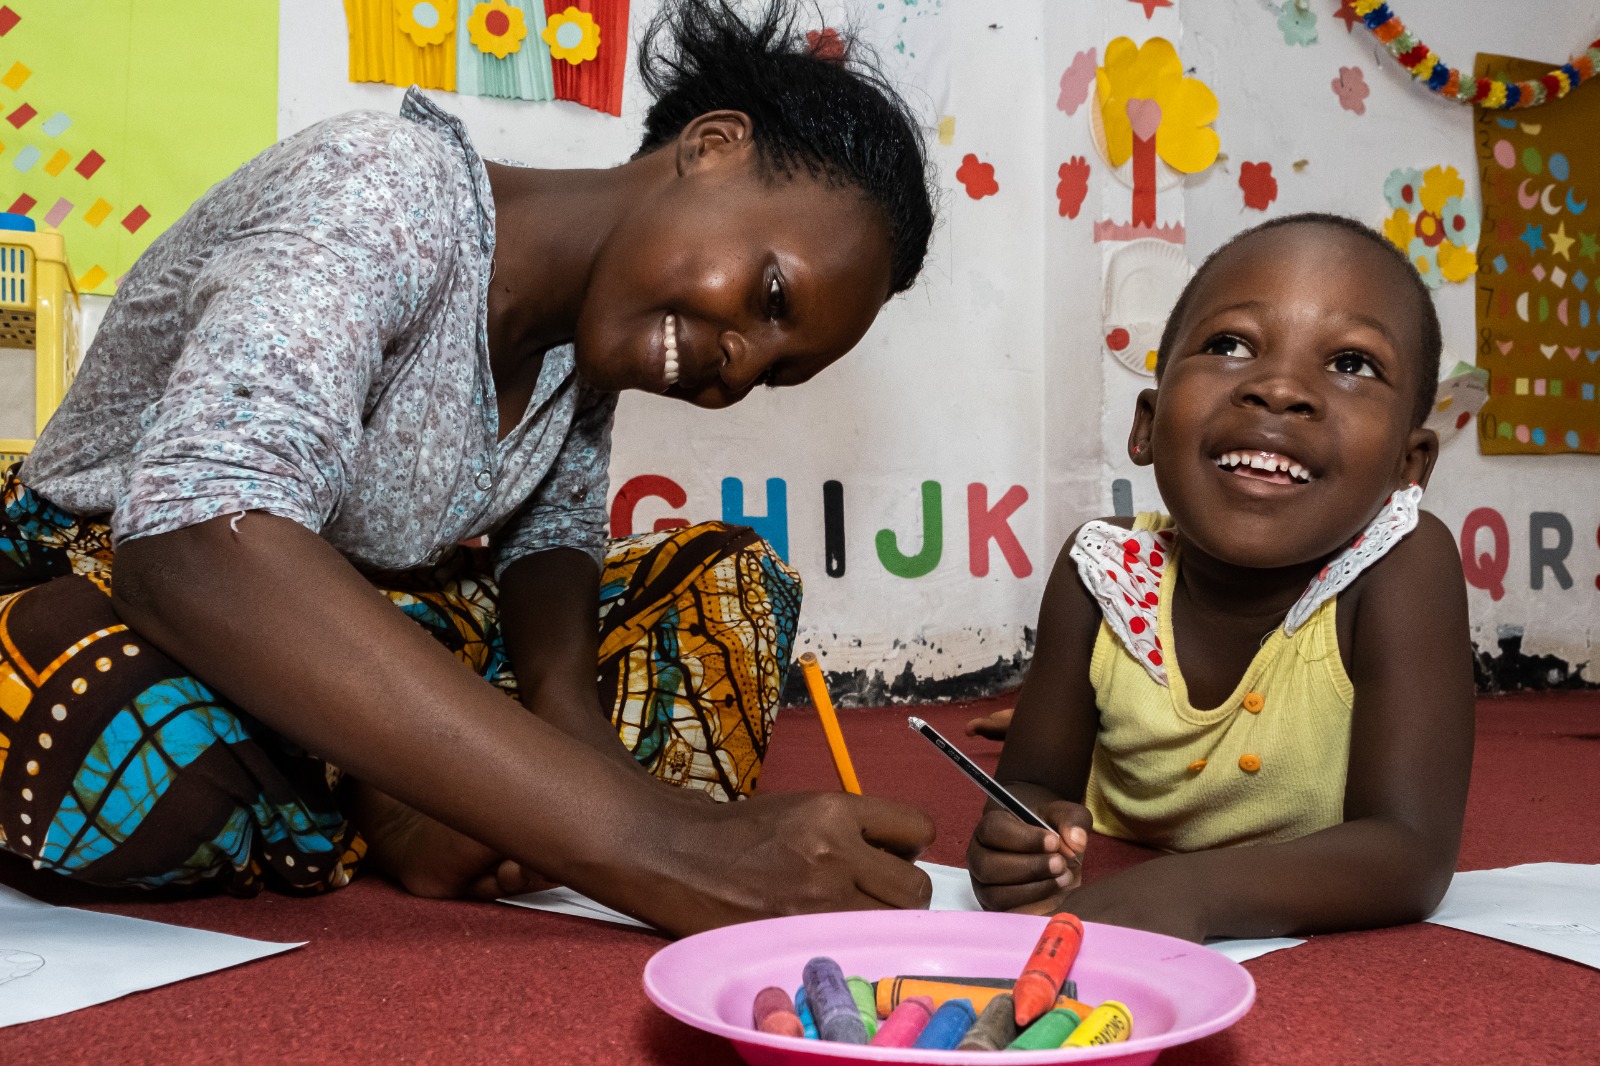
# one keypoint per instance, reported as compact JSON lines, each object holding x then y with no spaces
{"x":310,"y":340}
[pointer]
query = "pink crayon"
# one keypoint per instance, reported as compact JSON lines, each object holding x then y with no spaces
{"x":905,"y":1023}
{"x":773,"y":1012}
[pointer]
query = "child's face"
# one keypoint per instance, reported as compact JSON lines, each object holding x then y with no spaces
{"x":1300,"y":351}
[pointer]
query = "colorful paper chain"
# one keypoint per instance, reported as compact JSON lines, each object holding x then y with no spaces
{"x":1495,"y":93}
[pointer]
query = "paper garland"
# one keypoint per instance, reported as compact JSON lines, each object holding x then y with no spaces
{"x":1493,"y":93}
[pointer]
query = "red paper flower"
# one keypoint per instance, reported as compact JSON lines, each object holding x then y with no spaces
{"x":1260,"y":187}
{"x":1074,"y":185}
{"x":1351,"y":87}
{"x":825,"y":44}
{"x":977,"y":177}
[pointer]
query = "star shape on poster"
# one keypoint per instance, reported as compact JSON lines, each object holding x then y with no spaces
{"x":1560,"y":243}
{"x":1588,"y":247}
{"x":1347,"y":15}
{"x":1533,"y":237}
{"x":1151,"y":5}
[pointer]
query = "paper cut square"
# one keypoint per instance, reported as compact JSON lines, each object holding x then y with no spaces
{"x":1522,"y":386}
{"x":1538,"y":386}
{"x":1559,"y":277}
{"x":58,"y":162}
{"x":90,"y":163}
{"x":57,"y":123}
{"x":1555,"y":386}
{"x":1538,"y":271}
{"x":58,"y":214}
{"x":8,"y":20}
{"x":1588,"y":390}
{"x":97,"y":213}
{"x":27,"y":158}
{"x":1580,"y":280}
{"x":92,"y":278}
{"x":22,"y":205}
{"x":136,"y":218}
{"x":21,"y":116}
{"x":15,"y":77}
{"x":1500,"y":264}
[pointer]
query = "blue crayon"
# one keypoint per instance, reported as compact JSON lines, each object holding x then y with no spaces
{"x":803,"y":1009}
{"x":834,"y":1008}
{"x":947,"y":1026}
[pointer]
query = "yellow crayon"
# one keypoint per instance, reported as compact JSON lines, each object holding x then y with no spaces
{"x":1109,"y":1023}
{"x":830,"y":723}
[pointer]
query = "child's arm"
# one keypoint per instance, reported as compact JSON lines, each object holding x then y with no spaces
{"x":1391,"y":859}
{"x":1046,"y":757}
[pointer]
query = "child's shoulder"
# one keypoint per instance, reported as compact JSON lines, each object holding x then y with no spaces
{"x":1421,"y":572}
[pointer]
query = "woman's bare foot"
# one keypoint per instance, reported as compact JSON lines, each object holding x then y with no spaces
{"x":427,"y":857}
{"x":993,"y":726}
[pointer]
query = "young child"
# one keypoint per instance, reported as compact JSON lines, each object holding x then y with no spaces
{"x":1273,"y":683}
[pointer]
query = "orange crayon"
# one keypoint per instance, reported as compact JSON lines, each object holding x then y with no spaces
{"x":1036,"y":990}
{"x":773,"y":1012}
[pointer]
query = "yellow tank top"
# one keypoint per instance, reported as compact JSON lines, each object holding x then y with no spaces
{"x":1268,"y":765}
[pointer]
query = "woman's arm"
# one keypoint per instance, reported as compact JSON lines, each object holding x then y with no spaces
{"x":1392,"y":858}
{"x":280,"y":623}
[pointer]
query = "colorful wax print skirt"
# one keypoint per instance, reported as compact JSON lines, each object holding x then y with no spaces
{"x":118,"y":767}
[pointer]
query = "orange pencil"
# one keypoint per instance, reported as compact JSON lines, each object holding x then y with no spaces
{"x":830,"y":723}
{"x":1047,"y":968}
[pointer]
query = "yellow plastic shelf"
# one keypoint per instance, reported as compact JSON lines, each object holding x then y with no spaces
{"x":38,"y":311}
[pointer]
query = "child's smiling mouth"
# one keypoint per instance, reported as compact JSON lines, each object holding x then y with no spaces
{"x":1265,"y":466}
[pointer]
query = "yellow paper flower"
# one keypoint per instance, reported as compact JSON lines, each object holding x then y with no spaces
{"x":1438,"y":185}
{"x":1399,"y":228}
{"x":1456,"y":263}
{"x":1152,"y":71}
{"x":426,"y":22}
{"x":572,"y":35}
{"x":497,"y":28}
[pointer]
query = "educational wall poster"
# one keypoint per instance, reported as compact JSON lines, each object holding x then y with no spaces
{"x":118,"y":114}
{"x":1539,"y":271}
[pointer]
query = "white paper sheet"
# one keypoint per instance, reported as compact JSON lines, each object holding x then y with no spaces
{"x":952,"y":891}
{"x":59,"y":959}
{"x":1552,"y":907}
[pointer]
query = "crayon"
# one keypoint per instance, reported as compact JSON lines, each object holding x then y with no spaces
{"x":892,"y":990}
{"x":1047,"y":968}
{"x":1109,"y":1023}
{"x":903,"y":1026}
{"x":1069,"y":987}
{"x":1048,"y":1032}
{"x":832,"y":1005}
{"x":866,"y":1003}
{"x":803,"y":1009}
{"x":994,"y":1029}
{"x":774,"y":1013}
{"x":947,"y":1026}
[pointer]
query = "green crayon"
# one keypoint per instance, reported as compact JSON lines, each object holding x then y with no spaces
{"x":995,"y":1028}
{"x":866,"y":998}
{"x":1048,"y":1031}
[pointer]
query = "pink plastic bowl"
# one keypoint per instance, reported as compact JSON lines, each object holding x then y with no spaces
{"x":1177,"y":991}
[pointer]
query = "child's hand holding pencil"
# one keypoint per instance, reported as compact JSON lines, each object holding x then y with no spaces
{"x":1017,"y":866}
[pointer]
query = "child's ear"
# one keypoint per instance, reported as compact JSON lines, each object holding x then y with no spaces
{"x":714,"y":138}
{"x":1422,"y":451}
{"x":1144,"y":415}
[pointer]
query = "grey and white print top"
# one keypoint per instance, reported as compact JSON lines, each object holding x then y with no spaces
{"x":310,"y":340}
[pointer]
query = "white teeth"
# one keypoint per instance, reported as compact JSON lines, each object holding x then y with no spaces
{"x":1267,"y":462}
{"x":669,"y":340}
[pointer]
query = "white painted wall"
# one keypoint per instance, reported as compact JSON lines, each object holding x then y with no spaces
{"x":991,"y":370}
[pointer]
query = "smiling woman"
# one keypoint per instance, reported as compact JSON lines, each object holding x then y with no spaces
{"x":239,"y":533}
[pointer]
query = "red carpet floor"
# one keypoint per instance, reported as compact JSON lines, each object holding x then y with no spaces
{"x":388,"y":978}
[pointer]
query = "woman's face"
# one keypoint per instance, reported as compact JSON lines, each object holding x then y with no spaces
{"x":753,"y":280}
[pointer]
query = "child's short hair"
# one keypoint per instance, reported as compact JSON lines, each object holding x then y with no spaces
{"x":1432,"y":336}
{"x":818,"y":102}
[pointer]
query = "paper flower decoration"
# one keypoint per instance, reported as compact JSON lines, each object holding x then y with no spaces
{"x":1075,"y":82}
{"x":426,"y":22}
{"x":1298,"y":23}
{"x":497,"y":28}
{"x":1073,"y":186}
{"x":977,"y":177}
{"x":1184,"y":139}
{"x":1432,"y":224}
{"x":1351,"y":88}
{"x":826,"y":44}
{"x":573,"y":36}
{"x":1260,"y":187}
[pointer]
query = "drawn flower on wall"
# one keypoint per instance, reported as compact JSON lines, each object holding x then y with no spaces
{"x":426,"y":22}
{"x":1073,"y":186}
{"x":573,"y":36}
{"x":1351,"y":88}
{"x":496,"y":28}
{"x":977,"y":177}
{"x":1431,"y":222}
{"x":1260,"y":187}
